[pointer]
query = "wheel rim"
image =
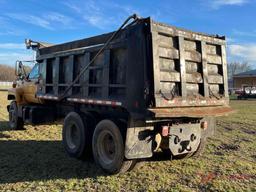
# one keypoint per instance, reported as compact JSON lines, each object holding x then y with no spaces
{"x":106,"y":147}
{"x":12,"y":114}
{"x":72,"y":136}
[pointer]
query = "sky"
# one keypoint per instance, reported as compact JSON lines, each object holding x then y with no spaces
{"x":56,"y":21}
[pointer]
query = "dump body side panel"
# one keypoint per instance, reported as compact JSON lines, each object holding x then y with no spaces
{"x":115,"y":78}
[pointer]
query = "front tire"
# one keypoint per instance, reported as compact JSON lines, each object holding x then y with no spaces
{"x":75,"y":136}
{"x":108,"y":148}
{"x":15,"y":122}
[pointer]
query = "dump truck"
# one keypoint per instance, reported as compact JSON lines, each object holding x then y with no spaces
{"x":144,"y":89}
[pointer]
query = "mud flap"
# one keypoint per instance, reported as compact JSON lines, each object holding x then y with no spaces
{"x":209,"y":132}
{"x":139,"y":140}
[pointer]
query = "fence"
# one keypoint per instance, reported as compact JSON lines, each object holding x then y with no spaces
{"x":5,"y":85}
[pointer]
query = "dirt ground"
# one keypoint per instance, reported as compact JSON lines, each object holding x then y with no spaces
{"x":34,"y":160}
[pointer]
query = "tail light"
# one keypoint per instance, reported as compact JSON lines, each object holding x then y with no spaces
{"x":204,"y":125}
{"x":165,"y":131}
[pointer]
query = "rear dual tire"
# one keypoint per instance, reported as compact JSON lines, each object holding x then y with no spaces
{"x":76,"y":136}
{"x":107,"y":143}
{"x":108,"y":148}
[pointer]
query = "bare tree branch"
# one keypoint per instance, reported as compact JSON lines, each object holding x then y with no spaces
{"x":237,"y":67}
{"x":7,"y":73}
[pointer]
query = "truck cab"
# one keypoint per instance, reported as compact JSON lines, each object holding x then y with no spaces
{"x":23,"y":92}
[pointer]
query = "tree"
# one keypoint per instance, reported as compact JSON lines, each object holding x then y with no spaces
{"x":7,"y":73}
{"x":237,"y":67}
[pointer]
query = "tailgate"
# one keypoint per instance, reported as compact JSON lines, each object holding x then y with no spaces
{"x":189,"y":68}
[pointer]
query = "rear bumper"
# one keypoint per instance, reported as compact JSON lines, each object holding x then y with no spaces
{"x":192,"y":111}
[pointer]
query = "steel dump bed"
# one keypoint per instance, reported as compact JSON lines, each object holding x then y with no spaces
{"x":149,"y":69}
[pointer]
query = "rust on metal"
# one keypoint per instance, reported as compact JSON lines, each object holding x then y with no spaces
{"x":192,"y":111}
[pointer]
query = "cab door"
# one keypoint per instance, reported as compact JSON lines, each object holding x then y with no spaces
{"x":30,"y":86}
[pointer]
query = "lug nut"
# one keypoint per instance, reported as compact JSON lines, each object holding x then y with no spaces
{"x":204,"y":125}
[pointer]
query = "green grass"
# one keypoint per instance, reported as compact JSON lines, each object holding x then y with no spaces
{"x":233,"y":97}
{"x":34,"y":160}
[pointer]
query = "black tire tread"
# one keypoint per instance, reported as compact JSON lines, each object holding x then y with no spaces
{"x":128,"y":165}
{"x":85,"y":150}
{"x":121,"y":165}
{"x":19,"y":124}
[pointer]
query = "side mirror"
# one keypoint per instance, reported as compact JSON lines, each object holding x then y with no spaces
{"x":18,"y":68}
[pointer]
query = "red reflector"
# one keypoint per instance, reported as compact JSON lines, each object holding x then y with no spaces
{"x":165,"y":131}
{"x":204,"y":125}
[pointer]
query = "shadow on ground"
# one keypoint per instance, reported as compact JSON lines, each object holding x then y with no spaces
{"x":41,"y":160}
{"x":34,"y":160}
{"x":4,"y":126}
{"x":45,"y":160}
